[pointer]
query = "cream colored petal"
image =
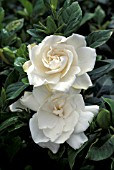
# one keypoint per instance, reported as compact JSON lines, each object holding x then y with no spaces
{"x":70,"y":60}
{"x":29,"y":101}
{"x":36,"y":133}
{"x":63,"y":137}
{"x":62,"y":86}
{"x":47,"y":119}
{"x":76,"y":40}
{"x":53,"y":39}
{"x":17,"y":106}
{"x":77,"y":102}
{"x":77,"y":140}
{"x":85,"y":118}
{"x":56,"y":131}
{"x":94,"y":109}
{"x":71,"y":121}
{"x":41,"y":94}
{"x":26,"y":65}
{"x":82,"y":82}
{"x":86,"y":59}
{"x":66,"y":82}
{"x":34,"y":78}
{"x":50,"y":145}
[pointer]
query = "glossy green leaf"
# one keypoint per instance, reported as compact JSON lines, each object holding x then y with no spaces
{"x":104,"y":119}
{"x":14,"y":90}
{"x":10,"y":121}
{"x":54,"y":4}
{"x":71,"y":16}
{"x":98,"y":38}
{"x":15,"y":25}
{"x":104,"y":151}
{"x":27,"y":5}
{"x":88,"y":16}
{"x":99,"y":15}
{"x":2,"y":13}
{"x":110,"y":102}
{"x":51,"y":26}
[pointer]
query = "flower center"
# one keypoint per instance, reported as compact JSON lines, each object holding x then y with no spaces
{"x":58,"y":111}
{"x":55,"y":59}
{"x":58,"y":107}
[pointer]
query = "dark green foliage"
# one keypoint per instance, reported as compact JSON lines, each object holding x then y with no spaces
{"x":24,"y":22}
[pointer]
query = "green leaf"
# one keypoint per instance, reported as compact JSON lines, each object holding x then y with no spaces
{"x":103,"y":69}
{"x":12,"y":78}
{"x":87,"y":17}
{"x":98,"y":153}
{"x":54,"y":4}
{"x":3,"y":97}
{"x":7,"y":38}
{"x":51,"y":26}
{"x":72,"y":154}
{"x":27,"y":5}
{"x":10,"y":121}
{"x":110,"y":102}
{"x":98,"y":38}
{"x":19,"y":61}
{"x":14,"y":90}
{"x":22,"y":51}
{"x":88,"y":167}
{"x":104,"y":119}
{"x":99,"y":15}
{"x":15,"y":25}
{"x":71,"y":16}
{"x":39,"y":7}
{"x":2,"y":12}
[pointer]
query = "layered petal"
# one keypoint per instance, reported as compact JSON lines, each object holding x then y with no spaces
{"x":82,"y":82}
{"x":17,"y":106}
{"x":76,"y":41}
{"x":50,"y":145}
{"x":84,"y":121}
{"x":77,"y":140}
{"x":94,"y":109}
{"x":29,"y":101}
{"x":36,"y":133}
{"x":86,"y":59}
{"x":41,"y":94}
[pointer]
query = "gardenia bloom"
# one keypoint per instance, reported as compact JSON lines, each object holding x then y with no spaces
{"x":60,"y":62}
{"x":59,"y":117}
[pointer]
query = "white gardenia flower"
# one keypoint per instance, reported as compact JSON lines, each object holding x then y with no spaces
{"x":60,"y":117}
{"x":60,"y":62}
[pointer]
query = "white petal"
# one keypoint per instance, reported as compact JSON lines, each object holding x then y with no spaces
{"x":53,"y":39}
{"x":37,"y":134}
{"x":84,"y":121}
{"x":17,"y":106}
{"x":41,"y":94}
{"x":77,"y":102}
{"x":67,"y":81}
{"x":46,"y":119}
{"x":76,"y":40}
{"x":29,"y":101}
{"x":56,"y":131}
{"x":77,"y":140}
{"x":34,"y":78}
{"x":26,"y":65}
{"x":82,"y":82}
{"x":94,"y":109}
{"x":71,"y":121}
{"x":50,"y":145}
{"x":86,"y":59}
{"x":63,"y":137}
